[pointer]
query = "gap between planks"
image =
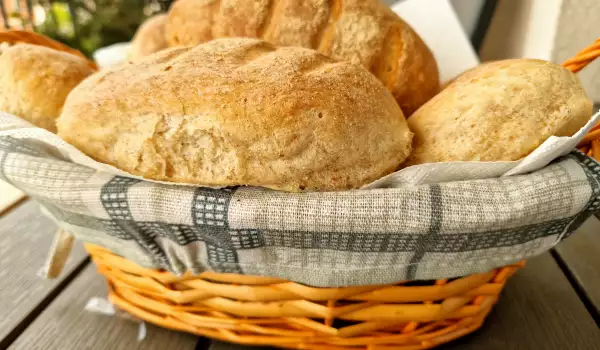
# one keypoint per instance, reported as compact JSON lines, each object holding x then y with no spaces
{"x":65,"y":324}
{"x":25,"y":235}
{"x":42,"y":305}
{"x":579,"y":258}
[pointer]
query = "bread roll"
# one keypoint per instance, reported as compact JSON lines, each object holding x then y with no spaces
{"x":240,"y":112}
{"x":365,"y":32}
{"x":499,"y":111}
{"x":35,"y":81}
{"x":149,"y":38}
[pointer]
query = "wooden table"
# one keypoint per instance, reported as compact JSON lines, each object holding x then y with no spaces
{"x":554,"y":303}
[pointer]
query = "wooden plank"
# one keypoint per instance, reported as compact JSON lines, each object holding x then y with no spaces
{"x":219,"y":345}
{"x":66,"y":325}
{"x":9,"y":196}
{"x":539,"y":309}
{"x":25,"y":238}
{"x":580,"y":254}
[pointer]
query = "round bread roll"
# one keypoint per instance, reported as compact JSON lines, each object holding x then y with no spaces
{"x":240,"y":112}
{"x":149,"y":38}
{"x":499,"y":111}
{"x":364,"y":32}
{"x":35,"y":81}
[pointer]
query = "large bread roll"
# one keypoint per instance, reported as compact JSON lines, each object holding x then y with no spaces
{"x":35,"y":81}
{"x":365,"y":32}
{"x":499,"y":111}
{"x":240,"y":112}
{"x":149,"y":38}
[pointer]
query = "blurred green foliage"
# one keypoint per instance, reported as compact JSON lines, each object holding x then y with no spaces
{"x":91,"y":24}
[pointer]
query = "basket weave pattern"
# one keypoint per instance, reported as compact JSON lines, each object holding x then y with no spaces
{"x":269,"y":311}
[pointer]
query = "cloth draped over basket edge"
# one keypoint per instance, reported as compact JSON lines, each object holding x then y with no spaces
{"x":329,"y":239}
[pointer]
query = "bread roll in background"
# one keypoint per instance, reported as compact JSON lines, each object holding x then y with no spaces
{"x":365,"y":32}
{"x":240,"y":112}
{"x":35,"y":81}
{"x":149,"y":38}
{"x":499,"y":111}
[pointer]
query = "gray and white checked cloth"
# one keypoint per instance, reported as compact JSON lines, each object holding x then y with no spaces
{"x":321,"y":239}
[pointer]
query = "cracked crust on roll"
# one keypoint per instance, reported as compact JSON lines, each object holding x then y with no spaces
{"x":240,"y":112}
{"x":364,"y":32}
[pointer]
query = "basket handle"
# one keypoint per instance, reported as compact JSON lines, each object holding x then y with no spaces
{"x":22,"y":36}
{"x":583,"y":57}
{"x":591,"y":142}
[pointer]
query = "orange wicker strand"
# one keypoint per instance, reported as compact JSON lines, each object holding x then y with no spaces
{"x":583,"y":57}
{"x":285,"y":314}
{"x":269,"y":311}
{"x":575,"y":64}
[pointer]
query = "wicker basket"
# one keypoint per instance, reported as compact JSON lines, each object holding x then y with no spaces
{"x":269,"y":311}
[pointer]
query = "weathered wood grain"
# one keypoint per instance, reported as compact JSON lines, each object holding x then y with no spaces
{"x":580,"y":253}
{"x":25,"y":237}
{"x":539,"y":309}
{"x":66,"y":325}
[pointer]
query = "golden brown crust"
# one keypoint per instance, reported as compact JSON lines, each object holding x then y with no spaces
{"x":295,"y":23}
{"x":365,"y":32}
{"x":408,"y":69}
{"x":150,"y":37}
{"x":35,"y":81}
{"x":240,"y":112}
{"x":239,"y":18}
{"x":185,"y":29}
{"x":499,"y":111}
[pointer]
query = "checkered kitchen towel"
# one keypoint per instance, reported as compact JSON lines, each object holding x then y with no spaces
{"x":322,"y":239}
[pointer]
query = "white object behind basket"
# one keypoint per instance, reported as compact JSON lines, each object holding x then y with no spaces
{"x":552,"y":30}
{"x":111,"y":55}
{"x":438,"y":25}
